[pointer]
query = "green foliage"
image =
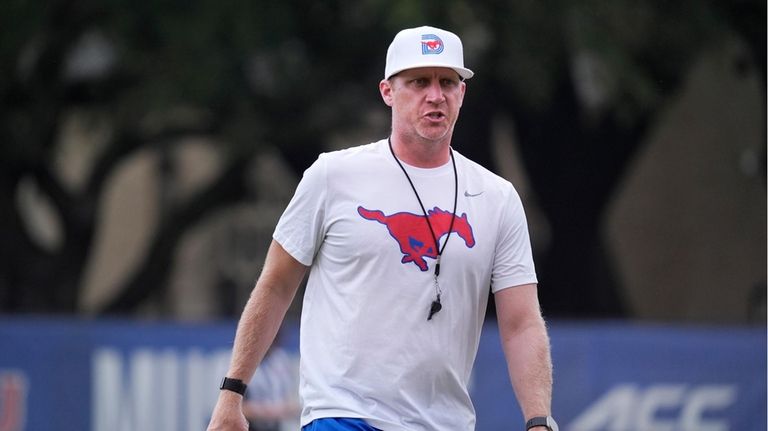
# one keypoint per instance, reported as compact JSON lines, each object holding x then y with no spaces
{"x":292,"y":74}
{"x":21,"y":22}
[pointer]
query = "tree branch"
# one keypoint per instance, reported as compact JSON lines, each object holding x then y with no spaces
{"x":151,"y":276}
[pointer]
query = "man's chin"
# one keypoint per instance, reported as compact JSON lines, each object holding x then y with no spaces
{"x":434,"y":133}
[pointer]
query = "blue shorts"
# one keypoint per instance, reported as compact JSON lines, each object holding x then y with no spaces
{"x":338,"y":424}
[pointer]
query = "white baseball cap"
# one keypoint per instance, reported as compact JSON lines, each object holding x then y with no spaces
{"x":425,"y":47}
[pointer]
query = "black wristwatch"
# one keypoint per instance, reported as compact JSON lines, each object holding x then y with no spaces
{"x":234,"y":385}
{"x":546,"y":421}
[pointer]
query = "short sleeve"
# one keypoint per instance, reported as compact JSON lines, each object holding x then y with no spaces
{"x":301,"y":228}
{"x":513,"y":261}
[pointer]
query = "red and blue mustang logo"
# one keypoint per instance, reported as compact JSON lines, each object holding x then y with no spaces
{"x":412,"y":232}
{"x":431,"y":44}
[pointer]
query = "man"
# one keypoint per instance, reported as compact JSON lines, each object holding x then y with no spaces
{"x":403,"y":238}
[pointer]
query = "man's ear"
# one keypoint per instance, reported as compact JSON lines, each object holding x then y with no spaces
{"x":463,"y":92}
{"x":385,"y":88}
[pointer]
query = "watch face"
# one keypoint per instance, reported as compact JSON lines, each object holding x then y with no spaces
{"x":552,"y":424}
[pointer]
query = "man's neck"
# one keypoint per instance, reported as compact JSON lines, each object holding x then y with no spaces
{"x":421,"y":153}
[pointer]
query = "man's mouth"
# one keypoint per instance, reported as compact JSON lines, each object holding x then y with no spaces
{"x":435,"y":115}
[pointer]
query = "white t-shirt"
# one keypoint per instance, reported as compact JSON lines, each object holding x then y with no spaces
{"x":367,"y":348}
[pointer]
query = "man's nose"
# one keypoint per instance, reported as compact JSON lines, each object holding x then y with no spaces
{"x":435,"y":93}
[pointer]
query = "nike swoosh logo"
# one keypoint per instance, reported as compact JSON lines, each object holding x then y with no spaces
{"x":471,"y":195}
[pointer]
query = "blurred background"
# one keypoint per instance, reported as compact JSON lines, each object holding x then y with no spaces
{"x":147,"y":148}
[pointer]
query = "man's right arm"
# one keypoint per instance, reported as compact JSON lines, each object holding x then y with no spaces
{"x":259,"y":323}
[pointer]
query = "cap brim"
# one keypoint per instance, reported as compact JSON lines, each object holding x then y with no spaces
{"x":464,"y":73}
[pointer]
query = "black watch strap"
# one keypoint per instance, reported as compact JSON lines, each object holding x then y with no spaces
{"x":540,"y":421}
{"x":234,"y":385}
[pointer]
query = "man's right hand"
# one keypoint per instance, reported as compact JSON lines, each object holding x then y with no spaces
{"x":228,"y":413}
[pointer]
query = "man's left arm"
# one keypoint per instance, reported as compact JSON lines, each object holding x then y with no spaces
{"x":525,"y":343}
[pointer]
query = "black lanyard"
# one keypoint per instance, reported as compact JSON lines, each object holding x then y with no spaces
{"x":436,"y":305}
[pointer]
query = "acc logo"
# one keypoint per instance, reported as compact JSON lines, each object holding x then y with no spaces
{"x":431,"y":44}
{"x":659,"y":407}
{"x":13,"y":400}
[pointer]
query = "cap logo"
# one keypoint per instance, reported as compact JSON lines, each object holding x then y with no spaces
{"x":431,"y":44}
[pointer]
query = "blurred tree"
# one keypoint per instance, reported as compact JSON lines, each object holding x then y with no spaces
{"x":251,"y":75}
{"x":582,"y":81}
